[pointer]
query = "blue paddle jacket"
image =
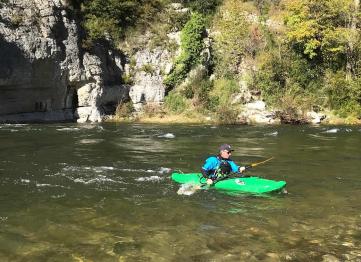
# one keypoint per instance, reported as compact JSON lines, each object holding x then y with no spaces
{"x":213,"y":163}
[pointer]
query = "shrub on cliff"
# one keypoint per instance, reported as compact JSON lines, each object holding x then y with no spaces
{"x":231,"y":30}
{"x":191,"y":45}
{"x":109,"y":19}
{"x":175,"y":103}
{"x":204,"y":7}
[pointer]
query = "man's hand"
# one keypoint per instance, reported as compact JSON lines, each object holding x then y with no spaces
{"x":209,"y":181}
{"x":242,"y":169}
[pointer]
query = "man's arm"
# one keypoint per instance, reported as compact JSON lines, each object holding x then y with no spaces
{"x":236,"y":168}
{"x":204,"y":173}
{"x":208,"y":166}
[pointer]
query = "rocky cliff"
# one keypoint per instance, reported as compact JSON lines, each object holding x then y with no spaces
{"x":45,"y":75}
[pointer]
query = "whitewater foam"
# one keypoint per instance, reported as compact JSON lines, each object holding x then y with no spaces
{"x":167,"y":135}
{"x":272,"y":134}
{"x":68,"y":129}
{"x":187,"y":189}
{"x":96,"y":180}
{"x":151,"y":178}
{"x":332,"y":131}
{"x":90,"y":141}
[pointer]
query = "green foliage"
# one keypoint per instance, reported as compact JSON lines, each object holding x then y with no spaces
{"x":231,"y":38}
{"x":286,"y":72}
{"x":109,"y":19}
{"x":197,"y":89}
{"x":291,"y":109}
{"x":127,"y":79}
{"x":343,"y":95}
{"x":199,"y":93}
{"x":124,"y":110}
{"x":223,"y":92}
{"x":204,"y":7}
{"x":227,"y":115}
{"x":192,"y":39}
{"x":313,"y":59}
{"x":271,"y":78}
{"x":132,"y":62}
{"x":17,"y":19}
{"x":168,"y":20}
{"x":192,"y":45}
{"x":178,"y":74}
{"x":220,"y":101}
{"x":176,"y":20}
{"x":148,"y":68}
{"x":153,"y":110}
{"x":264,"y":6}
{"x":191,"y":88}
{"x":102,"y":28}
{"x":174,"y":102}
{"x":320,"y":29}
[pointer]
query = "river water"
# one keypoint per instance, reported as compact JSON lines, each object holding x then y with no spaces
{"x":72,"y":192}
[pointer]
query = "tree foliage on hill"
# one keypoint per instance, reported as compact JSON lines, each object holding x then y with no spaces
{"x":325,"y":30}
{"x":312,"y":60}
{"x":204,"y":7}
{"x":108,"y":19}
{"x":327,"y":33}
{"x":312,"y":57}
{"x":230,"y":34}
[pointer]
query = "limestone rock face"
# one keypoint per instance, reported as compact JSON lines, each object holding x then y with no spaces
{"x":102,"y":90}
{"x":255,"y":112}
{"x":150,"y":66}
{"x":44,"y":73}
{"x":31,"y":79}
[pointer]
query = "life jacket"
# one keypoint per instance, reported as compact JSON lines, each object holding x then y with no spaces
{"x":224,"y":168}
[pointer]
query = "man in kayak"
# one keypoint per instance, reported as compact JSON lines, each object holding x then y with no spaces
{"x":220,"y":166}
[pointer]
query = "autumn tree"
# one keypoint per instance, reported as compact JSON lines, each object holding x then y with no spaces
{"x":325,"y":30}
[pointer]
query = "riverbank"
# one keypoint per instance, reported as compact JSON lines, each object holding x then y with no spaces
{"x":329,"y":119}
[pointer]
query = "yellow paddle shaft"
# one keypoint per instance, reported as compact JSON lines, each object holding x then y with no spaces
{"x":258,"y":163}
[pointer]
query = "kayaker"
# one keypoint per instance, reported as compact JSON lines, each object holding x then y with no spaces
{"x":220,"y":166}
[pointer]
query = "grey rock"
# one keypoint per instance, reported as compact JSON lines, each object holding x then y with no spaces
{"x":148,"y":85}
{"x":44,"y":73}
{"x":314,"y":117}
{"x":255,"y":112}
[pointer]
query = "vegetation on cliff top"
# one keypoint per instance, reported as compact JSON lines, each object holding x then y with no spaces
{"x":304,"y":53}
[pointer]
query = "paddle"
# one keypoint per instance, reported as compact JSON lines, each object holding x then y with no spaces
{"x":258,"y":163}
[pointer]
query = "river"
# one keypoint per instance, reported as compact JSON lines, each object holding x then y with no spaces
{"x":71,"y":192}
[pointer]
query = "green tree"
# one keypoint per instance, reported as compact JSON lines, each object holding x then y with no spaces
{"x":231,"y":31}
{"x":325,"y":30}
{"x":110,"y":18}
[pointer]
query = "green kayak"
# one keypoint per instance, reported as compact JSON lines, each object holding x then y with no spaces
{"x":254,"y":185}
